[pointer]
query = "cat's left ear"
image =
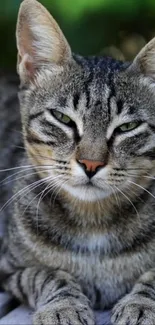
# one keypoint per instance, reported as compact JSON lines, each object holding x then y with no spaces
{"x":144,"y":62}
{"x":40,"y":41}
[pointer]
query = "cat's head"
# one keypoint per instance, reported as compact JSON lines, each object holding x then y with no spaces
{"x":89,"y":123}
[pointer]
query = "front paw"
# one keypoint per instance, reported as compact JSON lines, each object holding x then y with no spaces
{"x":63,"y":312}
{"x":134,"y":310}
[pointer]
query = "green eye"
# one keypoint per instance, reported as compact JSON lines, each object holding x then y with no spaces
{"x":128,"y":126}
{"x":61,"y":117}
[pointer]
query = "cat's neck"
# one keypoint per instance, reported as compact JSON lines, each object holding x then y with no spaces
{"x":89,"y":214}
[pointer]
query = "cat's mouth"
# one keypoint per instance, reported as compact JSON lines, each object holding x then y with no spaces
{"x":88,"y":191}
{"x":89,"y":184}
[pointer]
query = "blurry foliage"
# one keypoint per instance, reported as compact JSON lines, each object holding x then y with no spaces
{"x":112,"y":27}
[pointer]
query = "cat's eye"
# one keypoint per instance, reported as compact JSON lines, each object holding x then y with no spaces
{"x":128,"y":126}
{"x":61,"y":117}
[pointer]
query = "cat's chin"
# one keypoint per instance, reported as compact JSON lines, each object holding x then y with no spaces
{"x":86,"y":193}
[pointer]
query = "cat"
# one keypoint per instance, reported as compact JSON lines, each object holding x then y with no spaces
{"x":81,"y":226}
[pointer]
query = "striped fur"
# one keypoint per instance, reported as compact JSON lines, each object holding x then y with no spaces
{"x":73,"y":243}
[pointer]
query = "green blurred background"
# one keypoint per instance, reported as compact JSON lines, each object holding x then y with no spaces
{"x":113,"y":27}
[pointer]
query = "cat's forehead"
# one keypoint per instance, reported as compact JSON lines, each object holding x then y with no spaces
{"x":89,"y":77}
{"x":94,"y":85}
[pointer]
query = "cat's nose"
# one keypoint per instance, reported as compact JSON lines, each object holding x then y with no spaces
{"x":91,"y":166}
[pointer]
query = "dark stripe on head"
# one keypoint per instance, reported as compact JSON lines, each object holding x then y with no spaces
{"x":119,"y":106}
{"x":109,"y":104}
{"x":87,"y":93}
{"x":76,"y":100}
{"x":111,"y":94}
{"x":98,"y":103}
{"x":87,"y":88}
{"x":62,"y":101}
{"x":131,"y":110}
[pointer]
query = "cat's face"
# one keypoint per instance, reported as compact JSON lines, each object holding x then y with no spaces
{"x":89,"y":122}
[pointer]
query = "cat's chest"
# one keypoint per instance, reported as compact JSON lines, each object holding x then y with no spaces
{"x":106,"y":277}
{"x":91,"y":261}
{"x":110,"y":275}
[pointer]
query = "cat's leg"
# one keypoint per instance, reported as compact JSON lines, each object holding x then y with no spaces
{"x":54,"y":294}
{"x":138,"y":307}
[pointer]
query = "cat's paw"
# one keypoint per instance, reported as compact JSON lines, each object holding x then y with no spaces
{"x":134,"y":310}
{"x":63,"y":313}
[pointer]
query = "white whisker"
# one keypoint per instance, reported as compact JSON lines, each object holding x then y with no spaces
{"x":4,"y":182}
{"x":20,"y":192}
{"x":143,"y":188}
{"x":59,"y":189}
{"x":128,"y":200}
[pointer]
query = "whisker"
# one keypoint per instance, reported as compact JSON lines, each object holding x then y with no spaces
{"x":41,"y":181}
{"x":27,"y":167}
{"x":20,"y":192}
{"x":50,"y":158}
{"x":128,"y":200}
{"x":20,"y":147}
{"x":23,"y":177}
{"x":143,"y":188}
{"x":65,"y":181}
{"x":4,"y":181}
{"x":13,"y":168}
{"x":44,"y":191}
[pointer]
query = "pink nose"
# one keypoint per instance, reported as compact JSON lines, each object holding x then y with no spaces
{"x":91,"y":165}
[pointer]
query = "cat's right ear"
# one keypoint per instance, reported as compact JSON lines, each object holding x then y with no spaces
{"x":40,"y":41}
{"x":144,"y":62}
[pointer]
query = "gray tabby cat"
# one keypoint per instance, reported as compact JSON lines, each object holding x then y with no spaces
{"x":81,"y":234}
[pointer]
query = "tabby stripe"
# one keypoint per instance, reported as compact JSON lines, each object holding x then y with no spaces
{"x":50,"y":277}
{"x":119,"y":106}
{"x":87,"y":89}
{"x":83,"y":321}
{"x":72,"y":125}
{"x":147,"y":290}
{"x":149,"y":153}
{"x":146,"y":294}
{"x":62,"y":296}
{"x":152,"y":127}
{"x":61,"y":284}
{"x":131,"y":110}
{"x":35,"y":115}
{"x":19,"y":285}
{"x":58,"y":318}
{"x":111,"y":94}
{"x":51,"y":128}
{"x":46,"y":123}
{"x":148,"y":285}
{"x":34,"y":289}
{"x":76,"y":100}
{"x":38,"y":141}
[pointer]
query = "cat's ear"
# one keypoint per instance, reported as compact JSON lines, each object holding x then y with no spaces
{"x":145,"y":60}
{"x":40,"y":41}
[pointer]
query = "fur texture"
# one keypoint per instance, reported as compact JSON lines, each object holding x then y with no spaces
{"x":78,"y":240}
